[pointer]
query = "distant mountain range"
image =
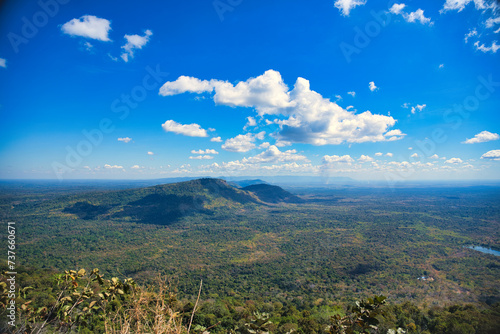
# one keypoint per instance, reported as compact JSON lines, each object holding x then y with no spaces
{"x":164,"y":204}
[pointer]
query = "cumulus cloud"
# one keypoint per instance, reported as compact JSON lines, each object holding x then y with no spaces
{"x":365,"y":158}
{"x":112,"y":166}
{"x":266,"y":93}
{"x":216,"y":139}
{"x":441,"y":65}
{"x":459,"y":5}
{"x":308,"y":117}
{"x":345,"y":6}
{"x":372,"y":86}
{"x":434,"y":156}
{"x":482,"y":137}
{"x":492,"y":155}
{"x":207,"y":151}
{"x":125,"y":139}
{"x":415,"y":16}
{"x":378,"y":154}
{"x":88,"y":26}
{"x":3,"y":63}
{"x":346,"y":159}
{"x":493,"y":48}
{"x":388,"y":154}
{"x":397,"y":8}
{"x":134,"y":42}
{"x":454,"y":161}
{"x":202,"y":157}
{"x":414,"y":155}
{"x":242,"y":143}
{"x":251,"y":122}
{"x":191,"y":130}
{"x":136,"y":167}
{"x":274,"y":155}
{"x":353,"y":94}
{"x":150,"y":153}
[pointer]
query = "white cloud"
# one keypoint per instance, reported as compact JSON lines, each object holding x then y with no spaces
{"x":434,"y":156}
{"x":471,"y":33}
{"x":345,"y":6}
{"x":274,"y":155}
{"x":365,"y":158}
{"x":420,"y":107}
{"x":492,"y":21}
{"x":88,"y":26}
{"x":185,"y":84}
{"x":191,"y":130}
{"x":389,"y":154}
{"x":308,"y":117}
{"x":441,"y":65}
{"x":266,"y":92}
{"x":3,"y":63}
{"x":417,"y":15}
{"x":493,"y":48}
{"x":150,"y":153}
{"x":216,"y":139}
{"x":135,"y":167}
{"x":394,"y":135}
{"x":459,"y":5}
{"x":492,"y":155}
{"x":353,"y":94}
{"x":134,"y":42}
{"x":378,"y":154}
{"x":397,"y":8}
{"x":207,"y":151}
{"x":405,"y":105}
{"x":112,"y":166}
{"x":328,"y":159}
{"x":414,"y":155}
{"x":454,"y":161}
{"x":125,"y":139}
{"x":250,"y":122}
{"x":482,"y":137}
{"x":372,"y":86}
{"x":264,"y":145}
{"x":202,"y":157}
{"x":242,"y":143}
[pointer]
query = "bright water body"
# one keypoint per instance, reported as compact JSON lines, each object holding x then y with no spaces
{"x":484,"y":250}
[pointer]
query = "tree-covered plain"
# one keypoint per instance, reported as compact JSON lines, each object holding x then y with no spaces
{"x":334,"y":247}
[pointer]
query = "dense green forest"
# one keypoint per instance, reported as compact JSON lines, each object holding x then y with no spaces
{"x":299,"y":258}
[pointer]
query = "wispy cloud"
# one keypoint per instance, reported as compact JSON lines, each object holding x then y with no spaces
{"x":134,"y":42}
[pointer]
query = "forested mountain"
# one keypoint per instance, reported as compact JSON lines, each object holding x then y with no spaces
{"x":165,"y":204}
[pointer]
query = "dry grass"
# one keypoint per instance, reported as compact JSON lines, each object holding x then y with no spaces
{"x":151,"y":311}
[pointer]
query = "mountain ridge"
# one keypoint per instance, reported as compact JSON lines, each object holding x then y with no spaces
{"x":166,"y":204}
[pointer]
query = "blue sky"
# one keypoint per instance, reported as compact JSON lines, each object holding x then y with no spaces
{"x":367,"y":89}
